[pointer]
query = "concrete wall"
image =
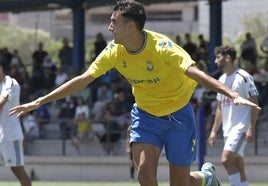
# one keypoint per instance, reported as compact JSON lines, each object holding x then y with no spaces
{"x":117,"y":168}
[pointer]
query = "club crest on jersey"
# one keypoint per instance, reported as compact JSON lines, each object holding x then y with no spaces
{"x":124,"y":64}
{"x":150,"y":66}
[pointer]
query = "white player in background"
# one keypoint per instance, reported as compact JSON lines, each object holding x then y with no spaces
{"x":11,"y":136}
{"x":238,"y":121}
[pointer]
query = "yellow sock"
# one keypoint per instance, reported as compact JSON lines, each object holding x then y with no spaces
{"x":203,"y":178}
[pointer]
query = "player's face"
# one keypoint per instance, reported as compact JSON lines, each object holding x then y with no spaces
{"x":220,"y":61}
{"x":118,"y":27}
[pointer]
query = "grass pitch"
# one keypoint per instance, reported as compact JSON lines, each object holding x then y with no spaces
{"x":45,"y":183}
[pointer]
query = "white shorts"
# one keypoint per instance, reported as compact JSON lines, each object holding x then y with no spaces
{"x":235,"y":142}
{"x":11,"y":153}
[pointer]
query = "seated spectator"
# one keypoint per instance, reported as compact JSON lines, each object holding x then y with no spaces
{"x":81,"y":108}
{"x":112,"y":131}
{"x":43,"y":117}
{"x":61,"y":77}
{"x":49,"y":74}
{"x":121,"y":107}
{"x":31,"y":130}
{"x":82,"y":133}
{"x":105,"y":93}
{"x":17,"y":69}
{"x":66,"y":115}
{"x":96,"y":112}
{"x":85,"y":94}
{"x":81,"y":128}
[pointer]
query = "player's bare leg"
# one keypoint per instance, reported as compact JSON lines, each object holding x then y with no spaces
{"x":22,"y":176}
{"x":179,"y":176}
{"x":228,"y":161}
{"x":145,"y":158}
{"x":239,"y":162}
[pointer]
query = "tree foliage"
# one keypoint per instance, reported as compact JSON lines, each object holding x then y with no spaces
{"x":24,"y":40}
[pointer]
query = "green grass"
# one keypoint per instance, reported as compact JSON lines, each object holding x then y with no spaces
{"x":45,"y":183}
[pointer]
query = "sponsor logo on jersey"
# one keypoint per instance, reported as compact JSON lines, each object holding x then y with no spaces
{"x":141,"y":81}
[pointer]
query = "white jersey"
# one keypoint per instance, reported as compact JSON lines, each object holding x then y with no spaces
{"x":10,"y":127}
{"x":236,"y":117}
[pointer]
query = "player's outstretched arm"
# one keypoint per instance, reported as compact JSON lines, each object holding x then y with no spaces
{"x":209,"y":82}
{"x":70,"y":87}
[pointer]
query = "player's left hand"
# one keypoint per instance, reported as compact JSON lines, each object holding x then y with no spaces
{"x":239,"y":100}
{"x":250,"y":135}
{"x":22,"y":109}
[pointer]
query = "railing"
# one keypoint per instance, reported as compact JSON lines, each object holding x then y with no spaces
{"x":101,"y":127}
{"x":107,"y":132}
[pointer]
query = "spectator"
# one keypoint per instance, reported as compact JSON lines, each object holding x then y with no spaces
{"x":17,"y":69}
{"x":19,"y":72}
{"x":249,"y":50}
{"x":38,"y":58}
{"x":48,"y":63}
{"x":105,"y":93}
{"x":112,"y":131}
{"x":6,"y":58}
{"x":203,"y":51}
{"x":66,"y":116}
{"x":81,"y":108}
{"x":83,"y":131}
{"x":264,"y":49}
{"x":66,"y":56}
{"x":31,"y":130}
{"x":121,"y":107}
{"x":85,"y":94}
{"x":61,"y":77}
{"x":190,"y":46}
{"x":48,"y":79}
{"x":96,"y":113}
{"x":43,"y":117}
{"x":99,"y":44}
{"x":72,"y":72}
{"x":178,"y":40}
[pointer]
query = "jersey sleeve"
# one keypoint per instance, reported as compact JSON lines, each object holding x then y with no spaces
{"x":175,"y":55}
{"x":10,"y":89}
{"x":105,"y":61}
{"x":250,"y":88}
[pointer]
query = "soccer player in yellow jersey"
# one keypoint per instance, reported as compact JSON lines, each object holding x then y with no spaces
{"x":163,"y":78}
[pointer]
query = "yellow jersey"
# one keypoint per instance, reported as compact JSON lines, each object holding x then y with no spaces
{"x":156,"y":72}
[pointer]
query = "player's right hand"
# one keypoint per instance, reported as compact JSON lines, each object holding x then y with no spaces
{"x":212,"y":139}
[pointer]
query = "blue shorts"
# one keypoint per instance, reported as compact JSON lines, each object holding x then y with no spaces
{"x":175,"y":131}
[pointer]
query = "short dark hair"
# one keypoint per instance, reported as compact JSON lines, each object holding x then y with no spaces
{"x":226,"y":50}
{"x":133,"y":10}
